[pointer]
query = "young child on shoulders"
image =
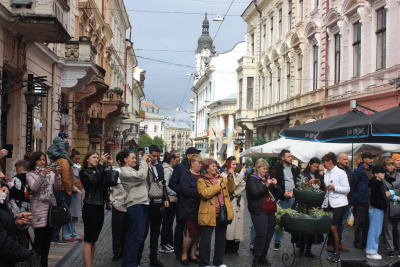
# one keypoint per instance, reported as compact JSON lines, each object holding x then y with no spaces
{"x":59,"y":148}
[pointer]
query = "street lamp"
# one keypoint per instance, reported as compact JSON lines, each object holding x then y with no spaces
{"x":78,"y":114}
{"x":63,"y":105}
{"x":32,"y":99}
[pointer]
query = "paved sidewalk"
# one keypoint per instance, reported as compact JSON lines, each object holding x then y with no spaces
{"x":71,"y":254}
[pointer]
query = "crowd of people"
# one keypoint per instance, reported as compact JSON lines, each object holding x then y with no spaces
{"x":199,"y":195}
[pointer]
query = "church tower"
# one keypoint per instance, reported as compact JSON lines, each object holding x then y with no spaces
{"x":205,"y":50}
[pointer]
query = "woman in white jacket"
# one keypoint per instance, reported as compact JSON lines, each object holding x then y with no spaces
{"x":336,"y":188}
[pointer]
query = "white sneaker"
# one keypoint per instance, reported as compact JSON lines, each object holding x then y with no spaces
{"x":222,"y":265}
{"x":374,"y":256}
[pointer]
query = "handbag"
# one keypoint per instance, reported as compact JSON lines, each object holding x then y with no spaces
{"x":394,"y":207}
{"x":59,"y":215}
{"x":33,"y":260}
{"x":111,"y":178}
{"x":223,"y":212}
{"x":156,"y":190}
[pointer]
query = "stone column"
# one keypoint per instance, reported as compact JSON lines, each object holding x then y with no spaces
{"x":221,"y":128}
{"x":216,"y":128}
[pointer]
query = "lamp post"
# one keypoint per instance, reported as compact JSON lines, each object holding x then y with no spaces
{"x":32,"y":100}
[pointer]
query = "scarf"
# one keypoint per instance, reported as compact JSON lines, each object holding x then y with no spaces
{"x":220,"y":195}
{"x":46,"y":192}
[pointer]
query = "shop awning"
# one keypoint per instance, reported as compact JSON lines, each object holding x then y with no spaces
{"x":222,"y":150}
{"x":272,"y":121}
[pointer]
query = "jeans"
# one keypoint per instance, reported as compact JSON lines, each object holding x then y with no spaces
{"x":340,"y":228}
{"x":153,"y":224}
{"x":68,"y":230}
{"x":137,"y":217}
{"x":375,"y":229}
{"x":219,"y":245}
{"x":179,"y":231}
{"x":252,"y":235}
{"x":264,"y":224}
{"x":360,"y":224}
{"x":285,"y":204}
{"x":60,"y":196}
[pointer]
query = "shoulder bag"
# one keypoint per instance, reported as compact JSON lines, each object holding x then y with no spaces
{"x":223,"y":211}
{"x":172,"y":198}
{"x":394,"y":207}
{"x":59,"y":215}
{"x":111,"y":178}
{"x":156,"y":190}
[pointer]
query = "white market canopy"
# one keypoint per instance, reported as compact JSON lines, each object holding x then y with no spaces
{"x":305,"y":150}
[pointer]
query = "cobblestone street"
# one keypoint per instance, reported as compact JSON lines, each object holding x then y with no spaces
{"x":104,"y":251}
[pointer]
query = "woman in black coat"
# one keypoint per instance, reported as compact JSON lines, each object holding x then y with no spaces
{"x":189,"y":208}
{"x":261,"y":195}
{"x":11,"y":232}
{"x":92,"y":178}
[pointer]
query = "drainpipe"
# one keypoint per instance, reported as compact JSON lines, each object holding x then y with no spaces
{"x":327,"y":54}
{"x":259,"y":58}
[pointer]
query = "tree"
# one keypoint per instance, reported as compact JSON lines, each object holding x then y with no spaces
{"x":158,"y":141}
{"x":145,"y":141}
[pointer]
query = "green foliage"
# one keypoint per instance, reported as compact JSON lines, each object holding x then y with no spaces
{"x":118,"y":90}
{"x":158,"y":141}
{"x":146,"y":141}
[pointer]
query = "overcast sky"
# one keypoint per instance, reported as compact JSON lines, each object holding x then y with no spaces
{"x":172,"y":37}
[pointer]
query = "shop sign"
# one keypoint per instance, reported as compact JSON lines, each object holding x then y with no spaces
{"x":110,"y":142}
{"x":95,"y":139}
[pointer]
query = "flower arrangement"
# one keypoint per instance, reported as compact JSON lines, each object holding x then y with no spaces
{"x":308,"y":186}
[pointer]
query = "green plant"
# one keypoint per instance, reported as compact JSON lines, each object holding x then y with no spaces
{"x":307,"y":186}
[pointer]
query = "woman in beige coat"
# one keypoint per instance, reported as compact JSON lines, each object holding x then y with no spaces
{"x":234,"y":233}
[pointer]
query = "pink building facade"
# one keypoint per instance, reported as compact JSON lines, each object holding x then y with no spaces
{"x":363,"y":55}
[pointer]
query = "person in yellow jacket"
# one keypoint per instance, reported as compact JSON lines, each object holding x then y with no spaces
{"x":214,"y":191}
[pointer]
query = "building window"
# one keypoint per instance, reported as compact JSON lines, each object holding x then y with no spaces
{"x":240,"y":93}
{"x":290,"y":15}
{"x":252,"y":44}
{"x":316,"y":3}
{"x":155,"y":128}
{"x":278,"y":90}
{"x":381,"y":39}
{"x":264,"y":97}
{"x":300,"y":72}
{"x":271,"y":30}
{"x":315,"y":67}
{"x":301,"y":10}
{"x":270,"y":87}
{"x":280,"y":23}
{"x":265,"y":36}
{"x":288,"y":78}
{"x":337,"y":58}
{"x":357,"y":50}
{"x":152,"y":110}
{"x":250,"y":83}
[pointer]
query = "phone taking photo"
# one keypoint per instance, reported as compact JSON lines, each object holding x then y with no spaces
{"x":228,"y":165}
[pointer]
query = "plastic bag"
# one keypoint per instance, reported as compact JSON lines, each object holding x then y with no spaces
{"x":350,"y":219}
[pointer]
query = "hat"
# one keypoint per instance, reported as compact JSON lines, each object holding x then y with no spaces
{"x":367,"y":155}
{"x":395,"y":156}
{"x":378,"y":169}
{"x":192,"y":150}
{"x":63,"y":135}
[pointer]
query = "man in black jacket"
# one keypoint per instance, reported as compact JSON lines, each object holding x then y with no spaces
{"x":154,"y":215}
{"x":286,"y":175}
{"x":174,"y":184}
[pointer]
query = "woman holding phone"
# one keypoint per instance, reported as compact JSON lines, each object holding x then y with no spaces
{"x":234,"y":232}
{"x":261,"y":195}
{"x":42,"y":181}
{"x":310,"y":174}
{"x":92,"y":178}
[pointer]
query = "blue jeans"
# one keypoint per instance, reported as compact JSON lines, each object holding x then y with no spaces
{"x":285,"y":204}
{"x":60,"y":196}
{"x":68,"y":230}
{"x":375,"y":229}
{"x":137,"y":217}
{"x":252,"y":235}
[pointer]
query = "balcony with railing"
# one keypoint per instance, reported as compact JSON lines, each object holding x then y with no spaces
{"x":37,"y":21}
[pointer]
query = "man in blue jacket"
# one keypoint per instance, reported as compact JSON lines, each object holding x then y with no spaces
{"x":361,"y":177}
{"x":174,"y":184}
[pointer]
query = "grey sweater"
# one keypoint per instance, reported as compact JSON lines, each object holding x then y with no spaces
{"x":135,"y":184}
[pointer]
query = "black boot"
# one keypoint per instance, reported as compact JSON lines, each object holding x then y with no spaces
{"x":155,"y":262}
{"x":256,"y":263}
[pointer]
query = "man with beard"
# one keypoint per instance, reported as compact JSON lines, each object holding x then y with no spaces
{"x":361,"y":176}
{"x":286,"y":175}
